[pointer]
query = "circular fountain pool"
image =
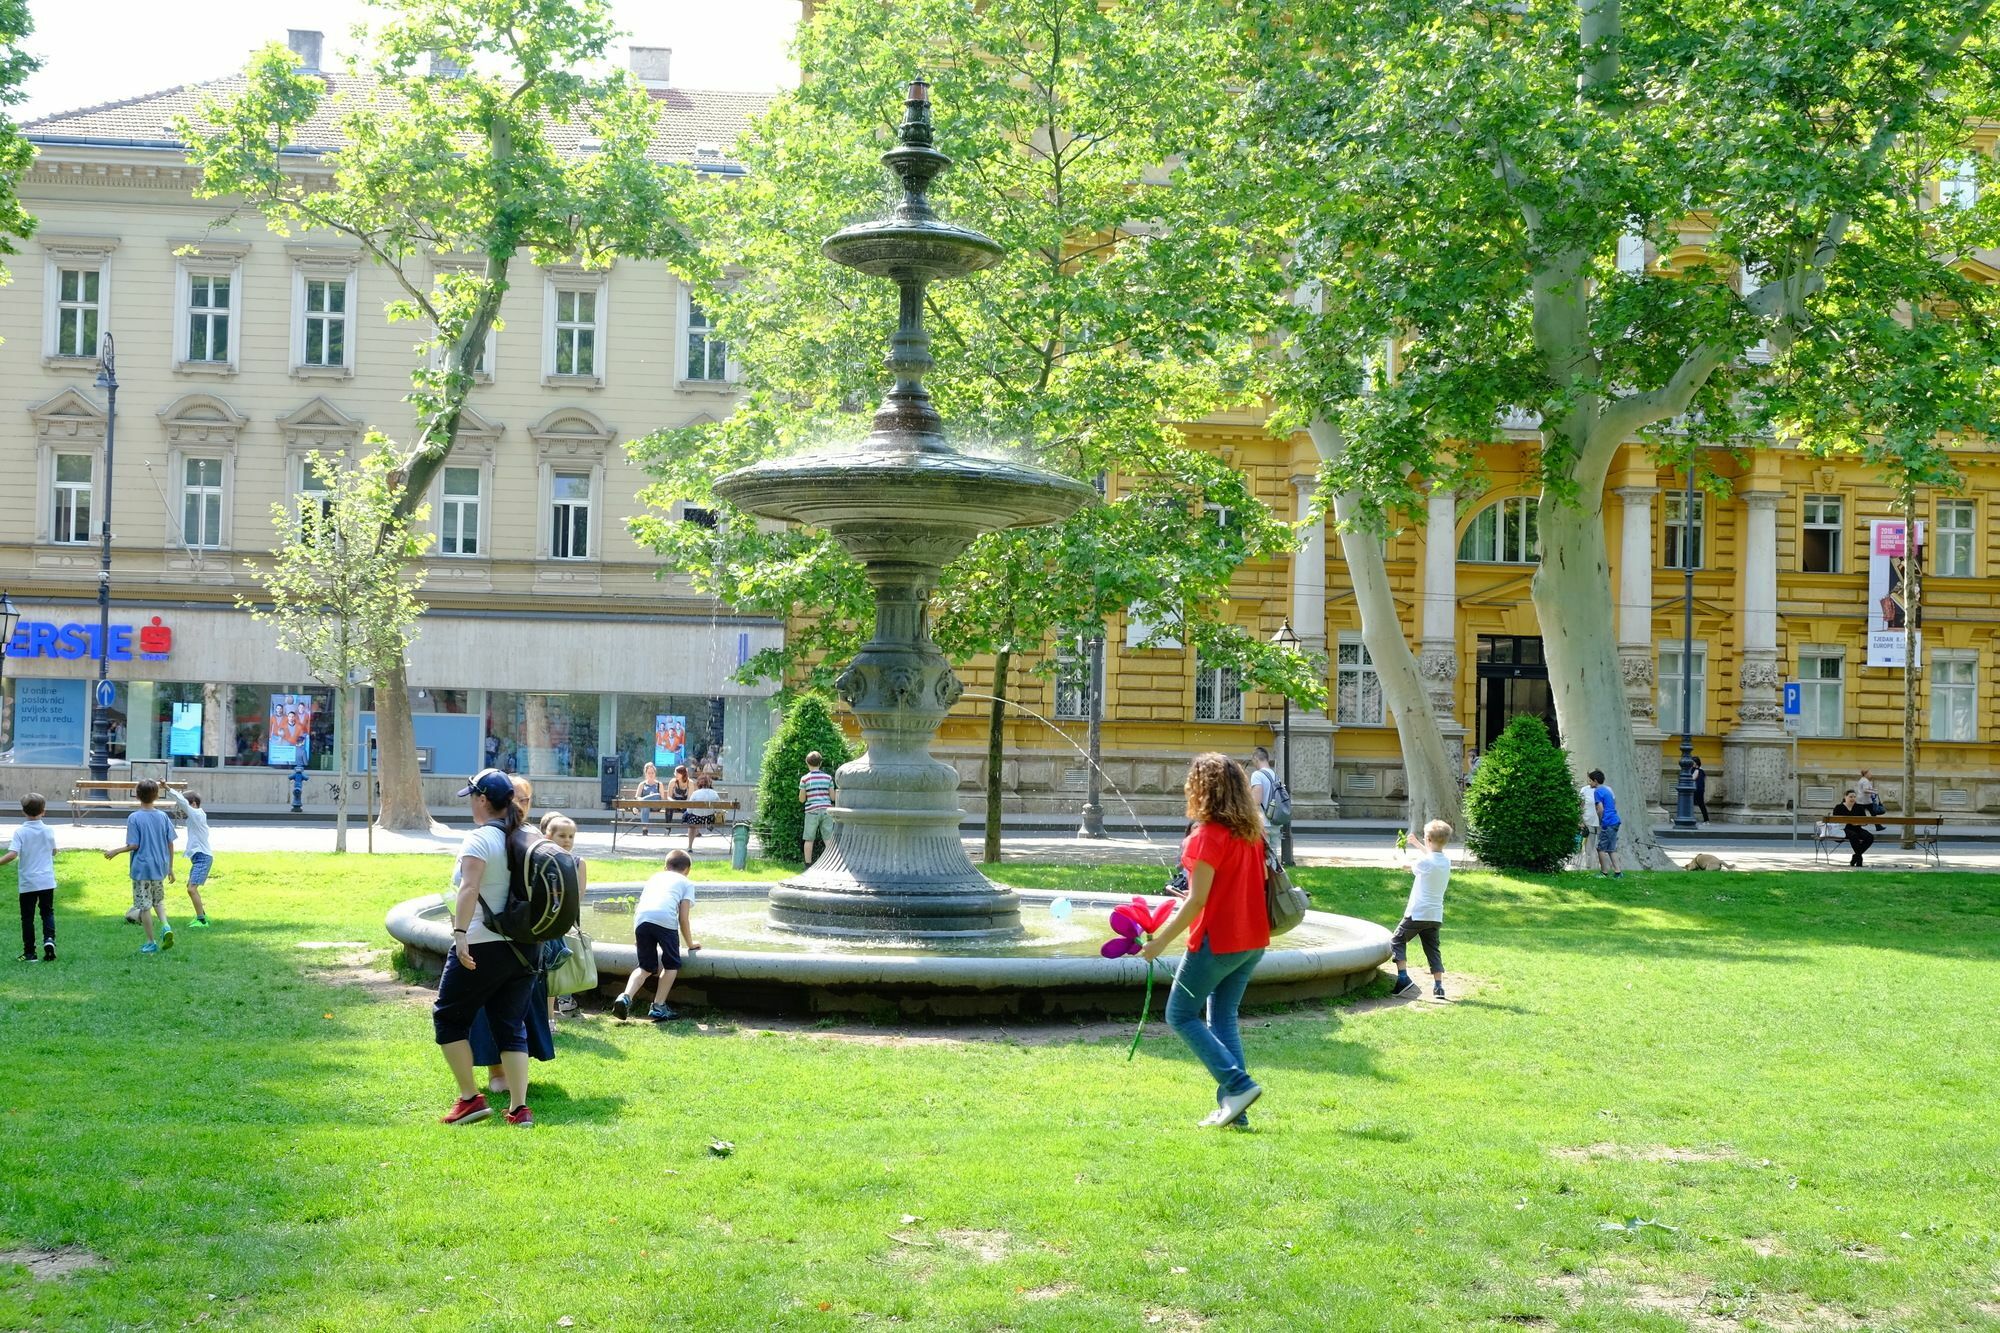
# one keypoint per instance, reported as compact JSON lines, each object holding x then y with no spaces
{"x":1051,"y":970}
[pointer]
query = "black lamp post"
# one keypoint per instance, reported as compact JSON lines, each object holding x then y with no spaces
{"x":100,"y":714}
{"x":10,"y":615}
{"x":1093,"y":798}
{"x":1684,"y":789}
{"x":1285,"y":638}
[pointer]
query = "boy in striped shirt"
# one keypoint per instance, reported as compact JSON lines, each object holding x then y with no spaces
{"x":816,"y":791}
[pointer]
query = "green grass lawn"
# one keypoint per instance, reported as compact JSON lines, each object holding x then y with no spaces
{"x":1796,"y":1073}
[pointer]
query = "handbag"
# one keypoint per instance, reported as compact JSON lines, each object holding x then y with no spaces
{"x":577,"y":972}
{"x":1284,"y":902}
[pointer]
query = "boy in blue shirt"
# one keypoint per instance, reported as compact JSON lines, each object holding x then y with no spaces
{"x":1608,"y":825}
{"x":149,"y":837}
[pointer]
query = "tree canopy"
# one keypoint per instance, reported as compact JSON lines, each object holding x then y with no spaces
{"x":16,"y":153}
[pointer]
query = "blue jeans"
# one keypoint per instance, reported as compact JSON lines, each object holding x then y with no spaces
{"x":1207,"y":991}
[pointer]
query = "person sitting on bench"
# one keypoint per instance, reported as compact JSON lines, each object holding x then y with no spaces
{"x":1858,"y":836}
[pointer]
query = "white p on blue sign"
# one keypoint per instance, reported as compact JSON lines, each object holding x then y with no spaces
{"x":1794,"y":700}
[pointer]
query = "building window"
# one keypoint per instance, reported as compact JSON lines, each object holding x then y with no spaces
{"x":1357,"y":687}
{"x":313,"y":500}
{"x":1960,"y":189}
{"x":1671,"y":677}
{"x":208,"y":317}
{"x":1073,"y":682}
{"x":1503,"y":533}
{"x":1820,"y":699}
{"x":543,"y":735}
{"x":707,"y":354}
{"x":1216,"y":695}
{"x":1819,"y":541}
{"x":1955,"y":538}
{"x":78,"y":311}
{"x":323,"y":313}
{"x":569,"y":536}
{"x":73,"y":492}
{"x":576,"y":332}
{"x":459,"y":521}
{"x":201,"y":502}
{"x":1686,"y":542}
{"x":1954,"y":693}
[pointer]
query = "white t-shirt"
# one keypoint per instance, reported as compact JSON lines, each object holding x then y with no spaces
{"x":1261,"y":786}
{"x":660,"y":901}
{"x":1589,"y":795}
{"x":1430,"y":872}
{"x":197,"y":822}
{"x":488,"y":842}
{"x":36,"y":846}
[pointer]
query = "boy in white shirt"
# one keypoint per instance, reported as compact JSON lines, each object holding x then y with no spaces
{"x":662,"y":923}
{"x":35,"y":848}
{"x":199,"y":855}
{"x":1588,"y":851}
{"x":1423,"y":916}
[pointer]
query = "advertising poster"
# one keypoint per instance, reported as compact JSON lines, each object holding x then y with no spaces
{"x":184,"y":734}
{"x":670,"y":739}
{"x":290,"y":742}
{"x":51,"y":718}
{"x":1889,"y":553}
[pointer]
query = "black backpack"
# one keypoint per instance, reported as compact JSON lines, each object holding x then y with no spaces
{"x":543,"y":895}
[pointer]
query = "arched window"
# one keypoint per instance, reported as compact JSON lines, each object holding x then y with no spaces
{"x":1503,"y":533}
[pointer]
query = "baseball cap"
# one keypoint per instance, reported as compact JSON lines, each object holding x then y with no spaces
{"x":492,"y":784}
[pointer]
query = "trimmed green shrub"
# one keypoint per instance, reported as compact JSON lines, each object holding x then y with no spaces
{"x":1522,"y":810}
{"x":808,"y":726}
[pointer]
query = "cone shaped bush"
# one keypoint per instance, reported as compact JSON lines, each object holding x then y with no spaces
{"x":1522,"y":810}
{"x":808,"y":726}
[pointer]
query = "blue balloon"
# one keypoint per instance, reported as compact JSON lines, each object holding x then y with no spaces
{"x":1060,"y":909}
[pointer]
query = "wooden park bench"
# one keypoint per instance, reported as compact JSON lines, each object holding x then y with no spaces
{"x":626,"y":812}
{"x":1829,"y":833}
{"x":111,"y":795}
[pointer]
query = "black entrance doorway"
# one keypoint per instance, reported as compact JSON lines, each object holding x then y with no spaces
{"x":1513,"y":679}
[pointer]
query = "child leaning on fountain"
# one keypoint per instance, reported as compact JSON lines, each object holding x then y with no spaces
{"x":662,"y":924}
{"x":1423,"y":915}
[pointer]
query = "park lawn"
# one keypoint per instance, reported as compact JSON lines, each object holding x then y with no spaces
{"x":1793,"y":1072}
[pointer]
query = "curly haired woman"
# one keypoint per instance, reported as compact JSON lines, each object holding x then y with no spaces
{"x":1227,"y":926}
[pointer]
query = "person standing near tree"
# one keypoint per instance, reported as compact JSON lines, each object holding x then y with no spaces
{"x":816,"y":794}
{"x":1263,"y":782}
{"x":1700,"y":776}
{"x":1608,"y":824}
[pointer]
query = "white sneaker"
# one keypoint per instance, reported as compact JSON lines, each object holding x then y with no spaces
{"x":1234,"y":1106}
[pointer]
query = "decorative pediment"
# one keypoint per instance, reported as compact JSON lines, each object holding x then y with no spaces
{"x":477,"y":437}
{"x":319,"y":425}
{"x":701,"y":419}
{"x":569,"y":432}
{"x":202,"y":419}
{"x":69,"y":416}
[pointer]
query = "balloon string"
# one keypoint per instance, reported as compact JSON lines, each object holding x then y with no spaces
{"x":1145,"y":1008}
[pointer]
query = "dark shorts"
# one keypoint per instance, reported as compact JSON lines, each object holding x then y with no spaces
{"x":198,"y":864}
{"x":659,"y":948}
{"x":500,"y":985}
{"x":1427,"y":931}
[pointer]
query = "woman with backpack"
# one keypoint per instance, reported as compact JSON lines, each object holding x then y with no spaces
{"x":540,"y":1014}
{"x":484,"y":972}
{"x":1228,"y":927}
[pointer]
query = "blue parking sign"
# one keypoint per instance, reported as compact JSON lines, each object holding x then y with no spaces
{"x":1794,"y":703}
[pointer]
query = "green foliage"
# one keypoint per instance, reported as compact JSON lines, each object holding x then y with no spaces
{"x":808,"y":726}
{"x":16,"y":153}
{"x":1521,"y":810}
{"x":1079,"y":351}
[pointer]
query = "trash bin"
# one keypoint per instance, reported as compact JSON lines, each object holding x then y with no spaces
{"x":739,"y":849}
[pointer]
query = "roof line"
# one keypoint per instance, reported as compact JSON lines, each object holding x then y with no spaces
{"x":110,"y":106}
{"x":160,"y":145}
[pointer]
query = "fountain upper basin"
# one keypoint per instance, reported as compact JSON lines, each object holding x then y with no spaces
{"x":887,"y":487}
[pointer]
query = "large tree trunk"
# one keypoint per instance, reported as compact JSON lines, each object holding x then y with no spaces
{"x":1573,"y":602}
{"x":1427,"y":766}
{"x":996,"y":735}
{"x":396,"y":741}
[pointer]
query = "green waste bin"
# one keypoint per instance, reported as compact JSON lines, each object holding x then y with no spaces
{"x":739,"y":849}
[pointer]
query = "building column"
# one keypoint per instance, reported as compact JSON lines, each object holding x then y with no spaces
{"x":1635,"y":632}
{"x":1437,"y":655}
{"x":1312,"y":730}
{"x":1757,"y":752}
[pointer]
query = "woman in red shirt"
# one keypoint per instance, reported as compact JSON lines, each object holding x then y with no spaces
{"x":1227,"y":925}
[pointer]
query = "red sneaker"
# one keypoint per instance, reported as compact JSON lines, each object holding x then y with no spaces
{"x":466,"y":1110}
{"x":521,"y":1116}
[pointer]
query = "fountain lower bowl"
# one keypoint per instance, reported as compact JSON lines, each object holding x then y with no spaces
{"x":1054,"y":970}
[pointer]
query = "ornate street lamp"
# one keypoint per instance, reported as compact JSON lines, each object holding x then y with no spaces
{"x":1285,"y":638}
{"x":10,"y":615}
{"x":1684,"y":789}
{"x":100,"y":712}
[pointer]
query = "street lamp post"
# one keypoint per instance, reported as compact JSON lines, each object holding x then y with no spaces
{"x":1684,"y":789}
{"x":1093,"y":800}
{"x":10,"y":615}
{"x":1285,"y":638}
{"x":100,"y":712}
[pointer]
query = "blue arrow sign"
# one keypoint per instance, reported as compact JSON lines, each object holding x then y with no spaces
{"x":106,"y":691}
{"x":1794,"y":698}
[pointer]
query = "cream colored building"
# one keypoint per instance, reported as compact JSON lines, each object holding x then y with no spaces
{"x":551,"y":640}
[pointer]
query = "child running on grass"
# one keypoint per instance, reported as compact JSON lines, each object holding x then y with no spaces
{"x":200,"y":859}
{"x":1423,"y":915}
{"x":149,"y":837}
{"x":35,"y":848}
{"x":663,"y":921}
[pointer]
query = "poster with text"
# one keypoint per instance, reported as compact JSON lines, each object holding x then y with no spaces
{"x":184,"y":735}
{"x":1889,"y":551}
{"x":51,"y":718}
{"x":290,"y":742}
{"x":670,"y":739}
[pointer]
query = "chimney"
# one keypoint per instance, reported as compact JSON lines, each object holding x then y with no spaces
{"x":305,"y":44}
{"x":649,"y":65}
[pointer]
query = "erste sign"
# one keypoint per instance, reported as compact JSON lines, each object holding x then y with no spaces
{"x":43,"y":638}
